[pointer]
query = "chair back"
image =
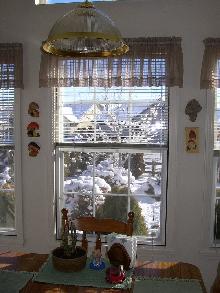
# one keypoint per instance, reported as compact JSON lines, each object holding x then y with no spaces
{"x":99,"y":226}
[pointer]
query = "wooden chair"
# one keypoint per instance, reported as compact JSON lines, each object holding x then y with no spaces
{"x":92,"y":224}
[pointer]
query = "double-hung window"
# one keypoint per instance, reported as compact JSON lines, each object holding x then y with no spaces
{"x":111,"y":133}
{"x":10,"y":79}
{"x":7,"y":174}
{"x":210,"y":80}
{"x":111,"y":154}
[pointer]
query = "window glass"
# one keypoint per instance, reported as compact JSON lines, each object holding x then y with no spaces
{"x":7,"y":169}
{"x":216,"y":217}
{"x":111,"y":155}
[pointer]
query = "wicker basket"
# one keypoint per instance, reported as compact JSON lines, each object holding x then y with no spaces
{"x":69,"y":264}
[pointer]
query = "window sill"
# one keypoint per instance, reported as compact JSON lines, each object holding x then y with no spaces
{"x":211,"y":252}
{"x":10,"y":241}
{"x":8,"y":232}
{"x":147,"y":252}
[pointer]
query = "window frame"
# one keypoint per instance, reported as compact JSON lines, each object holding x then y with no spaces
{"x":212,"y":95}
{"x":161,"y":240}
{"x":18,"y":230}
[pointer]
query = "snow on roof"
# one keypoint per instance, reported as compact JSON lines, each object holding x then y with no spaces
{"x":68,"y":114}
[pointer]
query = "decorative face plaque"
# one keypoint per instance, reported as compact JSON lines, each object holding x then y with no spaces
{"x":33,"y":109}
{"x":192,"y":109}
{"x":33,"y":149}
{"x":192,"y":139}
{"x":33,"y":129}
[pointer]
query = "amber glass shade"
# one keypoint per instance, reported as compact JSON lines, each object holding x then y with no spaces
{"x":85,"y":32}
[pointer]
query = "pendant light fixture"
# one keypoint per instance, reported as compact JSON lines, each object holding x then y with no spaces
{"x":85,"y":32}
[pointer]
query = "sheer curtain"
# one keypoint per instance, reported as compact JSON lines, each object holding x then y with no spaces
{"x":209,"y":75}
{"x":11,"y":65}
{"x":139,"y":67}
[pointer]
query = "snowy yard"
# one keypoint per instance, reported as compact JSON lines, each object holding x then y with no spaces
{"x":146,"y":190}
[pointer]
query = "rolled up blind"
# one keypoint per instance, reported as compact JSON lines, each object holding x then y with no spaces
{"x":11,"y":65}
{"x":6,"y":117}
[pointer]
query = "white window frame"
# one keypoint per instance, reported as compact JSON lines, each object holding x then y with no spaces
{"x":161,"y":240}
{"x":18,"y":230}
{"x":141,"y":239}
{"x":215,"y":154}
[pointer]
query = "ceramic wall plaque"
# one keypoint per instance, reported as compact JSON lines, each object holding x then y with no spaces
{"x":33,"y":109}
{"x":192,"y":139}
{"x":33,"y":149}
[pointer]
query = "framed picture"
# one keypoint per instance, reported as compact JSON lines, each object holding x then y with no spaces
{"x":192,"y":139}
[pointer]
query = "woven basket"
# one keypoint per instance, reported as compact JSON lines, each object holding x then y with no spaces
{"x":69,"y":264}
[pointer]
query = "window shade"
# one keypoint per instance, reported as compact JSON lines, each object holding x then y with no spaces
{"x":210,"y":77}
{"x":141,"y":66}
{"x":6,"y":117}
{"x":11,"y":66}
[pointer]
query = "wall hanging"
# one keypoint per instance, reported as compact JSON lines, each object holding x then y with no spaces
{"x":33,"y":129}
{"x":33,"y":109}
{"x":33,"y":149}
{"x":192,"y":139}
{"x":85,"y":32}
{"x":192,"y":109}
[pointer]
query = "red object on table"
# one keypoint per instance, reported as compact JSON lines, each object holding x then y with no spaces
{"x":115,"y":275}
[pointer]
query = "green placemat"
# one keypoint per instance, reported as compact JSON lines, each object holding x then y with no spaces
{"x":13,"y":282}
{"x":86,"y":277}
{"x":167,"y":286}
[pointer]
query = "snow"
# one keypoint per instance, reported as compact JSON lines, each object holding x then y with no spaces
{"x":68,"y":113}
{"x":145,"y":189}
{"x":151,"y":212}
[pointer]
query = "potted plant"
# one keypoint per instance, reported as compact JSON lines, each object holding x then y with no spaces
{"x":68,"y":257}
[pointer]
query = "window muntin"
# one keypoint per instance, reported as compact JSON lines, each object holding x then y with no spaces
{"x":98,"y":166}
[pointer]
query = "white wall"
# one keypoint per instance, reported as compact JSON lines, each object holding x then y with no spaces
{"x":189,"y":192}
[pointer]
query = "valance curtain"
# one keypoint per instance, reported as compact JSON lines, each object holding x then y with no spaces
{"x":139,"y":67}
{"x":11,"y":65}
{"x":209,"y":76}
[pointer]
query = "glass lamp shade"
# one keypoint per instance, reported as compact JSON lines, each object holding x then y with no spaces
{"x":85,"y":32}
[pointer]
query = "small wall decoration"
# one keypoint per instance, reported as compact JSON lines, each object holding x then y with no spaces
{"x":33,"y":149}
{"x":192,"y":139}
{"x":33,"y":109}
{"x":192,"y":109}
{"x":33,"y":129}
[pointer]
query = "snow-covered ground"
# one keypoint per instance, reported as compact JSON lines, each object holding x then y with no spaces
{"x":146,"y":190}
{"x":151,"y":212}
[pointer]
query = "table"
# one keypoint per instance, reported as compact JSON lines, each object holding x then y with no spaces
{"x":31,"y":262}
